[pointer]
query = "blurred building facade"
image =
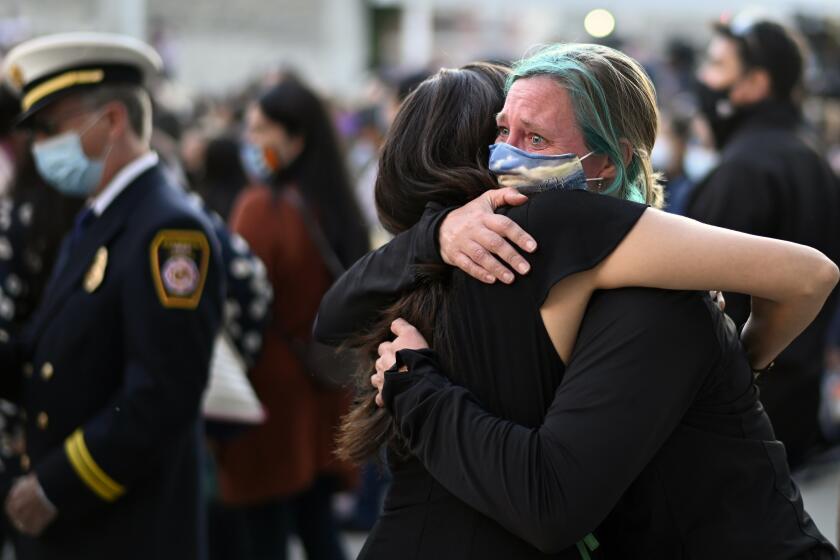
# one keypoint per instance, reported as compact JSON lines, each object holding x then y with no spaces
{"x":214,"y":45}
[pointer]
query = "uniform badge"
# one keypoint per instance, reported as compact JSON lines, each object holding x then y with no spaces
{"x":96,"y":272}
{"x":179,"y":267}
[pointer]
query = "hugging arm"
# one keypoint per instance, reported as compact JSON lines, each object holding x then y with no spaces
{"x":789,"y":283}
{"x":379,"y":278}
{"x":617,"y":404}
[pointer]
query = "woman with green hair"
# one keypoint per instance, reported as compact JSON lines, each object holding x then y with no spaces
{"x":524,"y":446}
{"x":621,"y":126}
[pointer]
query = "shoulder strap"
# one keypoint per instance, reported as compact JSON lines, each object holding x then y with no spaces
{"x":329,"y":257}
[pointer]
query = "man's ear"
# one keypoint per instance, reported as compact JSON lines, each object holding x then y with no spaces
{"x":117,"y":116}
{"x":752,"y":88}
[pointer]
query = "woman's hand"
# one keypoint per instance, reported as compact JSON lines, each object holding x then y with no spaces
{"x":473,"y":236}
{"x":408,"y":338}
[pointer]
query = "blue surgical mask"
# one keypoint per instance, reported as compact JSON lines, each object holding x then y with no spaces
{"x":62,"y":163}
{"x":698,"y":162}
{"x":531,"y":173}
{"x":258,"y":162}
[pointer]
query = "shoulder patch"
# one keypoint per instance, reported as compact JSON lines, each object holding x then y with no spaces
{"x":179,"y":259}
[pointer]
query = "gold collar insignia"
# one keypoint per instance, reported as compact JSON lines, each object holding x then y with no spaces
{"x":96,"y":272}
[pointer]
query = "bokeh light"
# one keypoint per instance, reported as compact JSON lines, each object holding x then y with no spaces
{"x":599,"y":23}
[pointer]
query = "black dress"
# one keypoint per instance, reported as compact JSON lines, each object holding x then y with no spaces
{"x":505,"y":357}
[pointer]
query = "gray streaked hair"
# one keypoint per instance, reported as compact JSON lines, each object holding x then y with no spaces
{"x":134,"y":98}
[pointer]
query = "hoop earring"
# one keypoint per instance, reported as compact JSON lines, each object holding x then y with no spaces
{"x":597,"y":183}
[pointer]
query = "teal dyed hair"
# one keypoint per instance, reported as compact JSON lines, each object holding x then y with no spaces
{"x":613,"y":101}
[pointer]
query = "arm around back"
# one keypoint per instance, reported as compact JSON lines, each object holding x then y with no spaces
{"x":641,"y":357}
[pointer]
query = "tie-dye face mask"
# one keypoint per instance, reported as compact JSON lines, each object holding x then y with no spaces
{"x":532,"y":173}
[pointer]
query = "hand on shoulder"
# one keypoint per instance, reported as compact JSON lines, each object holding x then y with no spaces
{"x":480,"y":242}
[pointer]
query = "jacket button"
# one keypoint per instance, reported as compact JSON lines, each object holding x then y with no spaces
{"x":43,"y":420}
{"x":47,"y":370}
{"x":24,"y":462}
{"x":28,"y":369}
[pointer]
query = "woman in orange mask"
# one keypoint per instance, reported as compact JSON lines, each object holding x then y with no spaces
{"x":282,"y":474}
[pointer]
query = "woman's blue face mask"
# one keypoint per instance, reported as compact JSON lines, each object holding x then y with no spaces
{"x":531,"y":173}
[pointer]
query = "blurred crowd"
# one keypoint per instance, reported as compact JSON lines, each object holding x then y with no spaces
{"x":282,"y":473}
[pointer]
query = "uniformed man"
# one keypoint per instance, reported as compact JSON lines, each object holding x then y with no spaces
{"x":769,"y":182}
{"x":111,"y":368}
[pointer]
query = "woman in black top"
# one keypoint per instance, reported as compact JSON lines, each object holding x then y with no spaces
{"x":500,"y":342}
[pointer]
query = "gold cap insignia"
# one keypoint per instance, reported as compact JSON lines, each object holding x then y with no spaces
{"x":96,"y":272}
{"x":16,"y":76}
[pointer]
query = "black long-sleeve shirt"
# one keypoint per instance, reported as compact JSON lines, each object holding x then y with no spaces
{"x":657,"y":403}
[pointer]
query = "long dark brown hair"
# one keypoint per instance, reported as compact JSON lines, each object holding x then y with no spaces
{"x":436,"y":151}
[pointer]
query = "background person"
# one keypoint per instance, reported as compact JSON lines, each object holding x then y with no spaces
{"x":771,"y":182}
{"x":112,"y":366}
{"x":282,"y":474}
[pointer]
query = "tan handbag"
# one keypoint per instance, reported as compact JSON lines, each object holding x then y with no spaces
{"x":229,"y":396}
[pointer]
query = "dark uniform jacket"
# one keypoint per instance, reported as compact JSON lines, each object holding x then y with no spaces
{"x":114,"y":364}
{"x":770,"y":182}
